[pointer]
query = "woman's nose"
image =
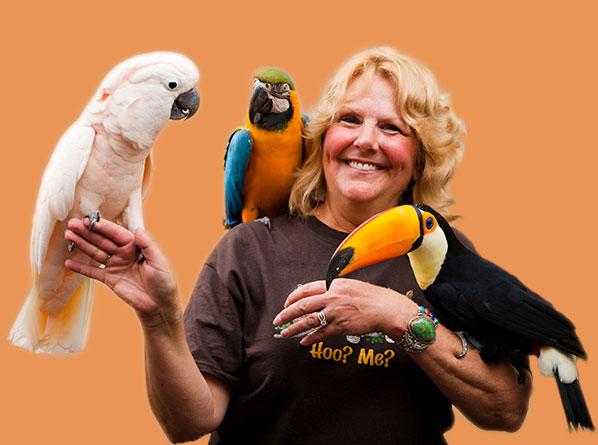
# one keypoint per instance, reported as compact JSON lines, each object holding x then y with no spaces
{"x":367,"y":137}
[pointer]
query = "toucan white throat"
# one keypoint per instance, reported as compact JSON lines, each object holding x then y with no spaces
{"x":426,"y":261}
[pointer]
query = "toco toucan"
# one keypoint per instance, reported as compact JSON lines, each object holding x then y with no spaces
{"x":469,"y":293}
{"x":261,"y":157}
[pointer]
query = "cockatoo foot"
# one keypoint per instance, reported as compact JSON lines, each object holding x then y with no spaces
{"x":93,"y":219}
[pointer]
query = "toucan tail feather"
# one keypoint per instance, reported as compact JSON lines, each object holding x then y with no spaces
{"x":574,"y":404}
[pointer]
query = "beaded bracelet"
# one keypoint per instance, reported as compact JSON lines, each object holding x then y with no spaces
{"x":420,"y":332}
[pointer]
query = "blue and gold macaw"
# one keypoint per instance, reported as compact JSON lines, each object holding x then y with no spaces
{"x":262,"y":156}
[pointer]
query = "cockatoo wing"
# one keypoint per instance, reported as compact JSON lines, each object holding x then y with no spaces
{"x":57,"y":190}
{"x":148,"y":172}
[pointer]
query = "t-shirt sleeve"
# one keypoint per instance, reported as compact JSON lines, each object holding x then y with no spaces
{"x":213,"y":325}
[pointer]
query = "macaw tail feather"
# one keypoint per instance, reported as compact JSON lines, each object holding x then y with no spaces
{"x":60,"y":333}
{"x":574,"y":404}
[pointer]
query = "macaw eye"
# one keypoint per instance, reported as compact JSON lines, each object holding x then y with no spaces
{"x":267,"y":85}
{"x":172,"y":85}
{"x":429,"y":223}
{"x":285,"y":87}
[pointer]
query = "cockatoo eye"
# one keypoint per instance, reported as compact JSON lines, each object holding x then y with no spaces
{"x":172,"y":84}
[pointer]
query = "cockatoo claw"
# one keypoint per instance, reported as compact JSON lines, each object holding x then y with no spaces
{"x":93,"y":219}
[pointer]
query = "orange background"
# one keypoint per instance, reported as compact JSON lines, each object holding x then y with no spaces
{"x":522,"y":75}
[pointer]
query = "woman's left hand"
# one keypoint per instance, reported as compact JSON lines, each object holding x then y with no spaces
{"x":349,"y":307}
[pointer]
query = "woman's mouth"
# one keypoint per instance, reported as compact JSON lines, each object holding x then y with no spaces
{"x":363,"y":166}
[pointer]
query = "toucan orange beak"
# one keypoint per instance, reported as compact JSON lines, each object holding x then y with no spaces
{"x":389,"y":234}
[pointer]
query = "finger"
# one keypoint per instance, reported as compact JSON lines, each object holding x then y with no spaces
{"x":300,"y":308}
{"x":85,"y":269}
{"x":149,"y":248}
{"x":302,"y":325}
{"x":115,"y":233}
{"x":87,"y":248}
{"x":78,"y":227}
{"x":306,"y":290}
{"x":319,"y":335}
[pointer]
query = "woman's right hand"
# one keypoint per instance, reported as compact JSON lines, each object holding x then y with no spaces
{"x":133,"y":267}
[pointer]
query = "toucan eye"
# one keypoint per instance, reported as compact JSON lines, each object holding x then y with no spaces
{"x":172,"y":85}
{"x":429,"y":223}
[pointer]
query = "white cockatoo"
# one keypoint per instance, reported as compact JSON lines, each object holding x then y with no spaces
{"x":102,"y":164}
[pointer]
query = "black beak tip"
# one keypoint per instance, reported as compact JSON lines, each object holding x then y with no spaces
{"x":338,"y":263}
{"x":185,"y":106}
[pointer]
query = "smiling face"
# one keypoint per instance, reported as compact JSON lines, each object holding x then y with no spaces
{"x":369,"y":152}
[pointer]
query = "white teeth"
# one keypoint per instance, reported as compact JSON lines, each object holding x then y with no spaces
{"x":361,"y":166}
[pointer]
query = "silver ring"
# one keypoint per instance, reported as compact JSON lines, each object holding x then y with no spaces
{"x":322,"y":318}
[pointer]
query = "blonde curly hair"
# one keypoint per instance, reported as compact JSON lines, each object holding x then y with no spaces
{"x":421,"y":105}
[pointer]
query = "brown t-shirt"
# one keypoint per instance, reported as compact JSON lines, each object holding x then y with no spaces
{"x":348,"y":390}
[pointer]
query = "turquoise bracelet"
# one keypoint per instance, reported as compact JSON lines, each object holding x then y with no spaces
{"x":420,"y":332}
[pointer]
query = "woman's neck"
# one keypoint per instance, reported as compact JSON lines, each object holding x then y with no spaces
{"x":344,"y":218}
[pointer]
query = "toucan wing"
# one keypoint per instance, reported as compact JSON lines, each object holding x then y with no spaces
{"x":486,"y":298}
{"x":236,"y":160}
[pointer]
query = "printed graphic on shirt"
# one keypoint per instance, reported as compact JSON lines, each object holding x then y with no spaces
{"x":362,"y":355}
{"x":372,"y":337}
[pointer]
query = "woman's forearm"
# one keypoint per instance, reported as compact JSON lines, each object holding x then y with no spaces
{"x":182,"y":400}
{"x":489,"y":394}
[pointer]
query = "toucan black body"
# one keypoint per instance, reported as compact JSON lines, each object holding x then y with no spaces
{"x":471,"y":294}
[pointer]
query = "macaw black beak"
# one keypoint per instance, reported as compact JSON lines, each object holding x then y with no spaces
{"x":185,"y":105}
{"x":386,"y":235}
{"x":260,"y":103}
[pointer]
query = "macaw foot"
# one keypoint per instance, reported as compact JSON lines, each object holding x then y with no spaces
{"x":266,"y":221}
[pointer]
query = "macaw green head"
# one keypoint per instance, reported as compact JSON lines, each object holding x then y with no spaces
{"x":274,"y":99}
{"x":273,"y":76}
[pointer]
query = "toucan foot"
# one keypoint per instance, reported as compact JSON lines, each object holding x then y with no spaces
{"x":266,"y":221}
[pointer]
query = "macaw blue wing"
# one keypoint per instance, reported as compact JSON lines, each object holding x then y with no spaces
{"x":238,"y":152}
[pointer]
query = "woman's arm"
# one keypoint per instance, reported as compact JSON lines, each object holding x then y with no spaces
{"x":489,"y":394}
{"x":186,"y":403}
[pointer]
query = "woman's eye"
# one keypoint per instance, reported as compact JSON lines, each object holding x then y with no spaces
{"x":349,"y":119}
{"x":392,"y":128}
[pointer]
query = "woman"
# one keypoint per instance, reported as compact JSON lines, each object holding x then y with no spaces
{"x":382,"y":134}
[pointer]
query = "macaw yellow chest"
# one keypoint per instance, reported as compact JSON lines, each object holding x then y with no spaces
{"x":269,"y":177}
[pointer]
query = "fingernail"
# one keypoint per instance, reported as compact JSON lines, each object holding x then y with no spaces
{"x":284,"y":332}
{"x":276,"y":320}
